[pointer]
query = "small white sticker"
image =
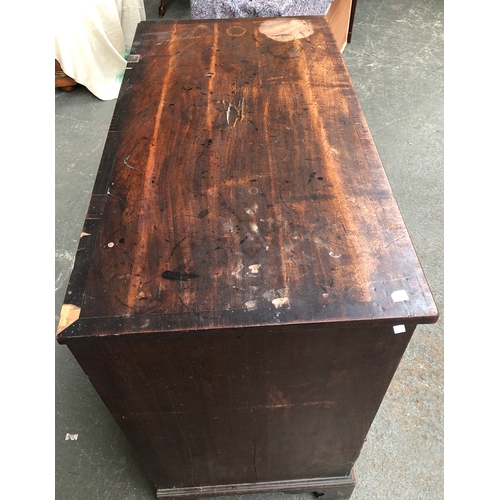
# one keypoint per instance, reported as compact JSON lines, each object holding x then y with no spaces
{"x":71,"y":437}
{"x":399,"y":329}
{"x":280,"y":301}
{"x":255,"y":268}
{"x":399,"y":296}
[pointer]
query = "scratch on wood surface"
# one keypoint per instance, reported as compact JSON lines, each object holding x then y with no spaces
{"x":177,"y":246}
{"x":235,"y":113}
{"x":125,"y":161}
{"x":69,"y":314}
{"x":396,"y":239}
{"x":114,"y":196}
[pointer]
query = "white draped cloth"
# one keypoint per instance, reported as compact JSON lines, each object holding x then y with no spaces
{"x":93,"y":40}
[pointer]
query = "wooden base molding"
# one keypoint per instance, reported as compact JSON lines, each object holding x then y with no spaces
{"x":332,"y":488}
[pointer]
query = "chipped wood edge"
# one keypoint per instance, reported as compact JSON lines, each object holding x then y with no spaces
{"x":69,"y":314}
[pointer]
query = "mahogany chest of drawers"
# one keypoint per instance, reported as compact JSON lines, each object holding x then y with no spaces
{"x":244,"y":286}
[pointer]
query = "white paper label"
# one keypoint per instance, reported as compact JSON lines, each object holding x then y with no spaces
{"x":399,"y":296}
{"x":399,"y":329}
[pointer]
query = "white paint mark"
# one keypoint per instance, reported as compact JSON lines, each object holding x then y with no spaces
{"x":125,"y":162}
{"x":399,"y":296}
{"x":71,"y":437}
{"x":251,"y":305}
{"x":238,"y":270}
{"x":399,"y":329}
{"x":228,"y":226}
{"x":255,"y":268}
{"x":111,"y":244}
{"x":254,"y":227}
{"x":228,"y":112}
{"x":280,"y":302}
{"x":331,"y":254}
{"x":325,"y":295}
{"x":253,"y":210}
{"x":84,"y":234}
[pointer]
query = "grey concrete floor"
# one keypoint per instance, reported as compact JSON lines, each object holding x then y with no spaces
{"x":396,"y":64}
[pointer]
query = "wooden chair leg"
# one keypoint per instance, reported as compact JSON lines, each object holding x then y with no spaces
{"x":63,"y":81}
{"x":351,"y":21}
{"x":161,"y":10}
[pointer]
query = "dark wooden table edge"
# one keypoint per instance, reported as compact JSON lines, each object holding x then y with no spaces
{"x":85,"y":328}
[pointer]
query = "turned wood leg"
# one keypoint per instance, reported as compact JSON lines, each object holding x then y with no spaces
{"x":68,"y":88}
{"x":63,"y":81}
{"x":161,"y":10}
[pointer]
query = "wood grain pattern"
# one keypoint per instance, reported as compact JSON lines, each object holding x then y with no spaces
{"x":243,"y":262}
{"x":227,"y":150}
{"x":246,"y":405}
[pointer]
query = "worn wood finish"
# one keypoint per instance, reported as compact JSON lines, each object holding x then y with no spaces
{"x":243,"y":262}
{"x":234,"y":407}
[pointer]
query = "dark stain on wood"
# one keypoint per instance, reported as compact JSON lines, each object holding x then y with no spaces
{"x":178,"y":275}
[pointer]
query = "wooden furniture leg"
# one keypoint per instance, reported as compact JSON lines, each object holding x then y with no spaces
{"x":163,"y":5}
{"x":351,"y":20}
{"x":63,"y":81}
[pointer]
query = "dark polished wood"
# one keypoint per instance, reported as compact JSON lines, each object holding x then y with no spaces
{"x":243,"y":263}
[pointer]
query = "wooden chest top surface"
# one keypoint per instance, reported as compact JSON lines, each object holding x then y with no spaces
{"x":240,"y":186}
